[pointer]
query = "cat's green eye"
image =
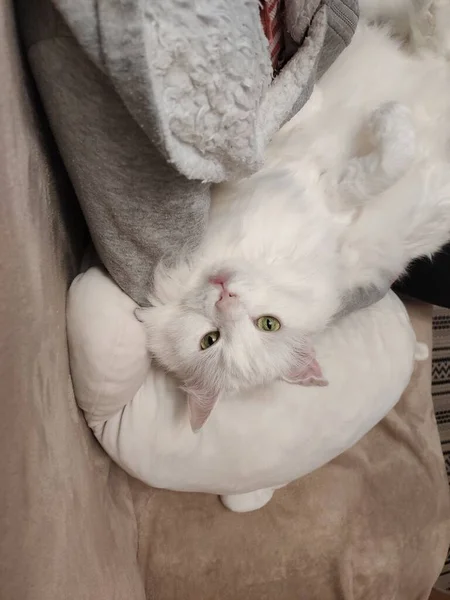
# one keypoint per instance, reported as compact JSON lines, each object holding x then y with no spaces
{"x":267,"y":323}
{"x":209,"y":340}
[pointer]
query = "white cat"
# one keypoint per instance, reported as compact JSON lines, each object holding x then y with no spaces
{"x":354,"y":187}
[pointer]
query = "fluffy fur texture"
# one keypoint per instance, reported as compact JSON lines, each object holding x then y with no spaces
{"x":419,"y":23}
{"x":354,"y":188}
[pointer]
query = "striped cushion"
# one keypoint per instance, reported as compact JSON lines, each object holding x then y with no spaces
{"x":441,"y":397}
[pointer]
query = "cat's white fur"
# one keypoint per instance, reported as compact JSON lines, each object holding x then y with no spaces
{"x":419,"y":23}
{"x":354,"y":187}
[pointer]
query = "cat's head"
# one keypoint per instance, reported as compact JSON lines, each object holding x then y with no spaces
{"x":237,"y":327}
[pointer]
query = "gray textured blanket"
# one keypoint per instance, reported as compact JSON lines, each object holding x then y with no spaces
{"x":150,"y":101}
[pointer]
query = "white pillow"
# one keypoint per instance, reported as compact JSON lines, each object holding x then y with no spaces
{"x":254,"y":442}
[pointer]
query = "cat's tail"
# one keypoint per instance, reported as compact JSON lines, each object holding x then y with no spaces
{"x":392,"y":135}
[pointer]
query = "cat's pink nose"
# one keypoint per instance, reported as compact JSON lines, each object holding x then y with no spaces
{"x":226,"y":299}
{"x":221,"y":279}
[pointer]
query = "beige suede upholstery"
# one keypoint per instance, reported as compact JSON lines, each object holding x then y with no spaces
{"x":67,"y":528}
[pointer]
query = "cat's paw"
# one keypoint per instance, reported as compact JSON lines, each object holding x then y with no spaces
{"x":390,"y":121}
{"x":421,"y":352}
{"x":392,"y":134}
{"x":247,"y":502}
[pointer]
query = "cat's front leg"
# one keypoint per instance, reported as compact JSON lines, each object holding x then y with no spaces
{"x":249,"y":501}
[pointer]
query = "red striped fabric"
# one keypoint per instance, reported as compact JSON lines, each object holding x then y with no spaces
{"x":271,"y":19}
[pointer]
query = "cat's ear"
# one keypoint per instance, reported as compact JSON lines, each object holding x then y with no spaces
{"x":308,"y":370}
{"x":148,"y":314}
{"x":310,"y":374}
{"x":154,"y":317}
{"x":139,"y":313}
{"x":200,"y":406}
